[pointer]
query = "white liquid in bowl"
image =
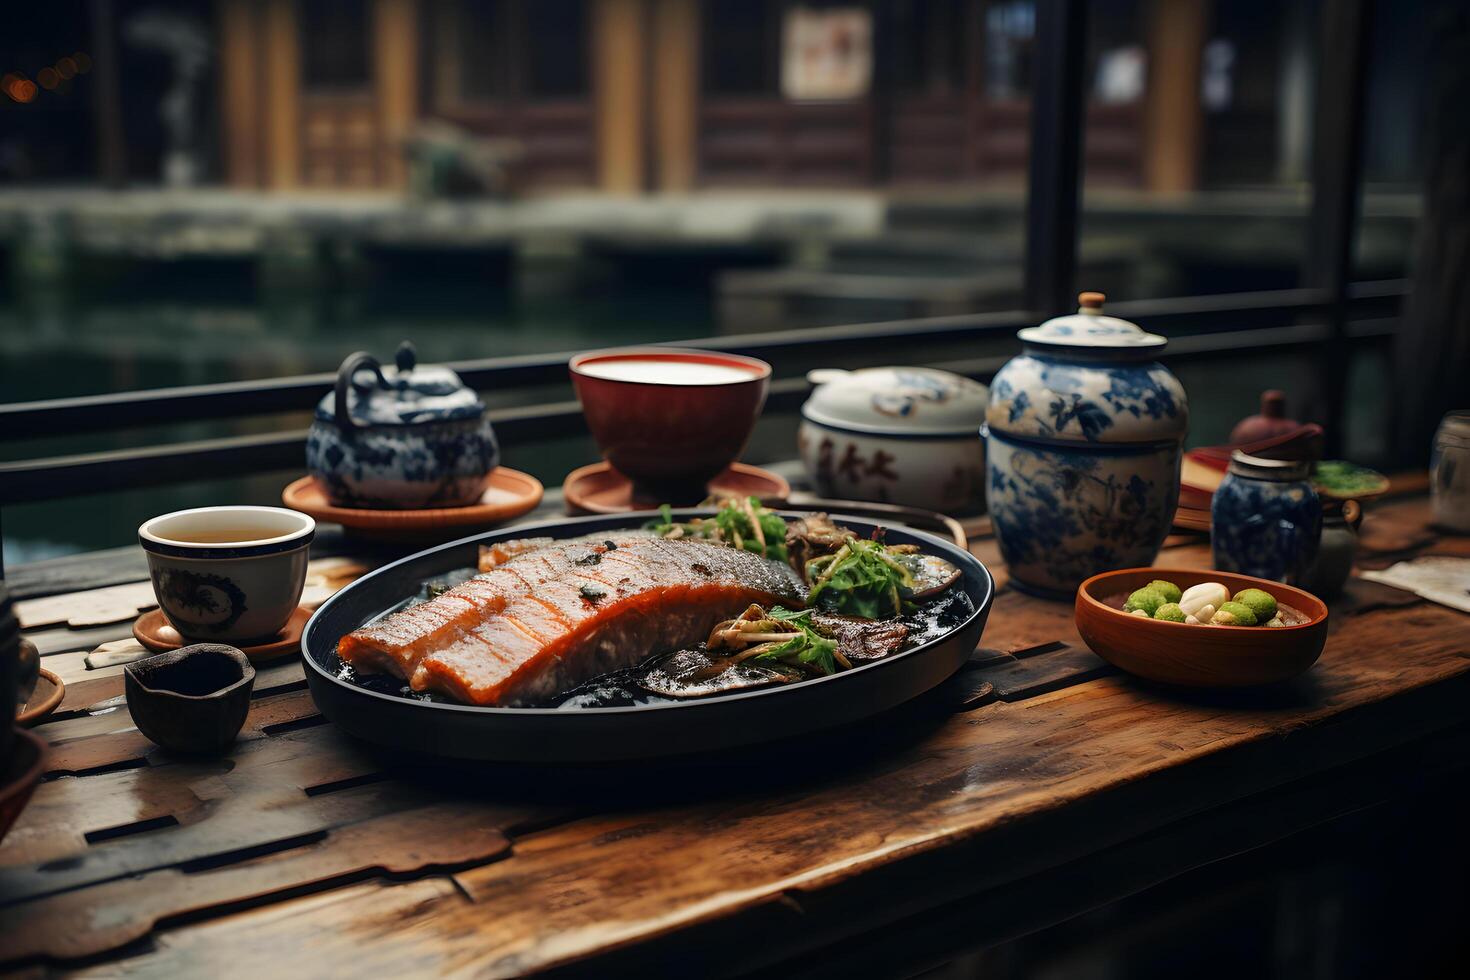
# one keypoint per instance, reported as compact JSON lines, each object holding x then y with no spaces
{"x":666,"y":372}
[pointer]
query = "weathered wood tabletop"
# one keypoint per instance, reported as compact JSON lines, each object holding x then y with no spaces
{"x":1038,"y":784}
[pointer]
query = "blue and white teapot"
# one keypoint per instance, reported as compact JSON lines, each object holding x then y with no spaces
{"x":1084,"y":437}
{"x":400,"y":437}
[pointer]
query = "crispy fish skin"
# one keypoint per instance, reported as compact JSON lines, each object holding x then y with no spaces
{"x":396,"y":643}
{"x":581,"y":609}
{"x":492,"y":555}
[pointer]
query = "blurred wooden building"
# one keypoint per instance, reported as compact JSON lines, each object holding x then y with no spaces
{"x":634,"y":95}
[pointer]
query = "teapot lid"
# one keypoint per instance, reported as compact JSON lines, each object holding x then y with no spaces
{"x":897,"y":400}
{"x":1089,"y":328}
{"x":405,"y":393}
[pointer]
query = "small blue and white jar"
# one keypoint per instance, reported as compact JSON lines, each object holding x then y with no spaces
{"x":407,"y":437}
{"x":1084,"y":438}
{"x":1266,"y":520}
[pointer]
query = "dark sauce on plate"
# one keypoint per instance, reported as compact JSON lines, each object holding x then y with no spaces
{"x":624,"y":688}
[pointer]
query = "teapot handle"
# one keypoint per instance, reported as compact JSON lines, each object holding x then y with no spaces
{"x":355,"y":362}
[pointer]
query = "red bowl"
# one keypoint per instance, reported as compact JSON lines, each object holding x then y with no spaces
{"x":670,"y":436}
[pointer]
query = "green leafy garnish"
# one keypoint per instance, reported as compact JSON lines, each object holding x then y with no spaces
{"x":806,"y":646}
{"x":740,"y":522}
{"x":860,"y":579}
{"x":780,"y":638}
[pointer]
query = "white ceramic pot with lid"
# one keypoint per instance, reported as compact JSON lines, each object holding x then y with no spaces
{"x":901,"y":435}
{"x":1084,"y":437}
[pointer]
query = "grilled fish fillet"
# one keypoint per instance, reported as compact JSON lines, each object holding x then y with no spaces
{"x":548,"y":619}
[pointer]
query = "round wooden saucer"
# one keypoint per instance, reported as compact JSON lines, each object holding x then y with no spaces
{"x":43,"y":700}
{"x":600,"y":489}
{"x":152,"y":629}
{"x":510,"y":494}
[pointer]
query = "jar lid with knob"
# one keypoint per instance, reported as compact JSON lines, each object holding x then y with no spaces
{"x":1088,"y":378}
{"x":1090,"y":329}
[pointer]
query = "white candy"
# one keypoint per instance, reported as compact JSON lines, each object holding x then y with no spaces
{"x":1192,"y":620}
{"x":1197,"y":597}
{"x":1203,"y":613}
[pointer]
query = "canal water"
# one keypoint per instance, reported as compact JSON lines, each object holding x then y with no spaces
{"x":55,"y":345}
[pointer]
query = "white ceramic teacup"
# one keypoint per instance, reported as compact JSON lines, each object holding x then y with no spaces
{"x":230,"y":574}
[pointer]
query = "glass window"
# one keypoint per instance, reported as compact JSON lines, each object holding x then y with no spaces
{"x":556,"y":48}
{"x":478,"y":36}
{"x":740,"y":44}
{"x":1394,"y":130}
{"x":1010,"y":32}
{"x":1196,"y":168}
{"x":503,"y":50}
{"x":48,"y":93}
{"x":930,"y":45}
{"x":334,"y":44}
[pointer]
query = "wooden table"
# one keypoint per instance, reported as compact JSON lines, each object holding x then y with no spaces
{"x":1038,"y":784}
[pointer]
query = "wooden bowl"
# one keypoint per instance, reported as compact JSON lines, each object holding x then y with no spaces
{"x":1199,"y":655}
{"x":192,"y":700}
{"x":19,"y":775}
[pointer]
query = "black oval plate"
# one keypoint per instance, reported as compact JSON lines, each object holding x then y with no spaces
{"x":643,"y":732}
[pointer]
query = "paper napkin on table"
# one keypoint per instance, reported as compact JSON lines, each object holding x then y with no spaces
{"x":1439,"y":578}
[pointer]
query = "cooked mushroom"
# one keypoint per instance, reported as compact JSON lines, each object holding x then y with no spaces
{"x":932,"y":574}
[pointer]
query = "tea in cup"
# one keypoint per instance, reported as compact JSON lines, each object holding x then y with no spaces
{"x":231,"y":574}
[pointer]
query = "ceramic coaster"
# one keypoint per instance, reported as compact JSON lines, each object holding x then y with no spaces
{"x":152,"y":630}
{"x":600,"y":489}
{"x":510,"y":494}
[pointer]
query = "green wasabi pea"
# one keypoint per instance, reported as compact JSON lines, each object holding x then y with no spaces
{"x":1145,"y":598}
{"x":1262,"y":603}
{"x":1168,"y":590}
{"x":1234,"y":614}
{"x":1170,"y":611}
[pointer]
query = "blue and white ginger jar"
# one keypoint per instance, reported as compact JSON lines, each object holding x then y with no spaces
{"x":1084,"y":437}
{"x":1266,"y":520}
{"x":402,"y":437}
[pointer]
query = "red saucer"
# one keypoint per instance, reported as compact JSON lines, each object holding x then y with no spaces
{"x":600,"y":489}
{"x":152,"y":629}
